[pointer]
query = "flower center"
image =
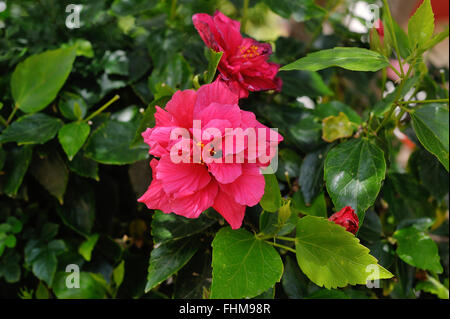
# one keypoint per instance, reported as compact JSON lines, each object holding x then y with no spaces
{"x":250,"y":52}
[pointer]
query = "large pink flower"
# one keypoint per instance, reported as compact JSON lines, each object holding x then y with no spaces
{"x":204,"y":160}
{"x":244,"y":63}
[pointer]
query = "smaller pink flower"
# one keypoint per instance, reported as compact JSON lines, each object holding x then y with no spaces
{"x":346,"y":218}
{"x":243,"y":66}
{"x":394,"y":76}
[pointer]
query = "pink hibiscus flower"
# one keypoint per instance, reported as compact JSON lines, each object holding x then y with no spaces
{"x":208,"y":156}
{"x":243,"y":65}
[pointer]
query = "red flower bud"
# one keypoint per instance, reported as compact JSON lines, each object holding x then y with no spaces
{"x":380,"y":28}
{"x":346,"y":218}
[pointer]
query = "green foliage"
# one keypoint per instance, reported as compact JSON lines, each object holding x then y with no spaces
{"x":334,"y":260}
{"x":73,"y":162}
{"x":243,"y":265}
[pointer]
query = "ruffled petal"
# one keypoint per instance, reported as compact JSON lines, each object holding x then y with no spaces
{"x":229,"y":209}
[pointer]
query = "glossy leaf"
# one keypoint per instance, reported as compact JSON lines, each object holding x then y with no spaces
{"x":168,"y":258}
{"x":353,"y":173}
{"x":431,"y":124}
{"x":421,"y":24}
{"x":334,"y":260}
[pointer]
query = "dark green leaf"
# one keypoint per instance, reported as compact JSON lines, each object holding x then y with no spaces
{"x":16,"y":166}
{"x":353,"y":173}
{"x":72,"y":137}
{"x":35,"y":128}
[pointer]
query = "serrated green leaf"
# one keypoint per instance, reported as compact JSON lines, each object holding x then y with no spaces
{"x":353,"y":173}
{"x":37,"y":80}
{"x":421,"y":25}
{"x":355,"y":59}
{"x":243,"y":265}
{"x":72,"y":137}
{"x":331,"y":257}
{"x":431,"y":124}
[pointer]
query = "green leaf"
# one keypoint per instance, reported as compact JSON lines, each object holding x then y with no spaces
{"x":92,"y":286}
{"x":10,"y":267}
{"x":16,"y":166}
{"x":35,"y":128}
{"x":417,"y":249}
{"x":243,"y":265}
{"x":51,"y":172}
{"x":213,"y":61}
{"x":167,"y":258}
{"x":433,"y":286}
{"x":84,"y":166}
{"x":355,"y":59}
{"x":72,"y":137}
{"x":271,"y":199}
{"x":331,"y":257}
{"x":44,"y":266}
{"x":441,"y":36}
{"x":16,"y":225}
{"x":169,"y":227}
{"x":37,"y":80}
{"x":119,"y":273}
{"x":311,"y":174}
{"x":421,"y":25}
{"x":110,"y":144}
{"x":294,"y":283}
{"x":317,"y":208}
{"x":87,"y":246}
{"x":72,"y":106}
{"x":194,"y":278}
{"x":42,"y":292}
{"x":353,"y":173}
{"x":78,"y":211}
{"x":431,"y":124}
{"x":336,"y":127}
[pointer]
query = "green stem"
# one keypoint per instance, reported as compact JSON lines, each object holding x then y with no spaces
{"x":3,"y":121}
{"x":281,"y":246}
{"x":173,"y":9}
{"x":394,"y":38}
{"x":101,"y":109}
{"x":425,"y":101}
{"x":11,"y":116}
{"x":245,"y":14}
{"x":285,"y":238}
{"x":444,"y":82}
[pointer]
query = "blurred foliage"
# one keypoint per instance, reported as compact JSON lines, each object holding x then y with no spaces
{"x":72,"y":164}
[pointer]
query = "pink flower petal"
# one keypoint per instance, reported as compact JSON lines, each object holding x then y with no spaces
{"x":248,"y":188}
{"x":217,"y":92}
{"x":181,"y":179}
{"x":229,"y":209}
{"x":192,"y":206}
{"x":225,"y":173}
{"x":181,"y":107}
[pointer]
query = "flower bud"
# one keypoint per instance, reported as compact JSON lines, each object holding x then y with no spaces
{"x":346,"y":218}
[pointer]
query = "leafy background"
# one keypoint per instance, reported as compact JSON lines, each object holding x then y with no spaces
{"x":72,"y":162}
